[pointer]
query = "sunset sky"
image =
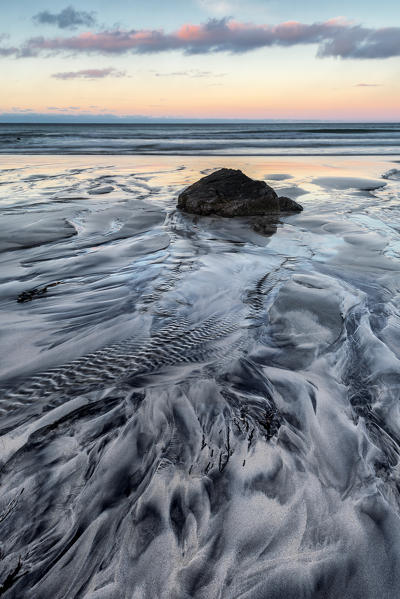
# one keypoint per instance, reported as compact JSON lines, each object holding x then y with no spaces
{"x":199,"y":59}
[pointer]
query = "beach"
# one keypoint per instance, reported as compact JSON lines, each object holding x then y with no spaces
{"x":194,"y":406}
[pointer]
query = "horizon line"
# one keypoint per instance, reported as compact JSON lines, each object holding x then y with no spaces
{"x":199,"y":121}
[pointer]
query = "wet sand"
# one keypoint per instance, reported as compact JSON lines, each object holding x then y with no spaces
{"x":199,"y":408}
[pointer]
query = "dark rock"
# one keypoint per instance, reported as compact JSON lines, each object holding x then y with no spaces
{"x":228,"y":192}
{"x":28,"y":296}
{"x":288,"y":205}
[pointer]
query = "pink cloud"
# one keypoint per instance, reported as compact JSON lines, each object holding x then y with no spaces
{"x":335,"y":37}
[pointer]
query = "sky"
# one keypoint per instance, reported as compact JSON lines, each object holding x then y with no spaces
{"x":200,"y":59}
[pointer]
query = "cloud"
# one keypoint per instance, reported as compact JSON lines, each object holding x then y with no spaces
{"x":368,"y":85}
{"x":89,"y":74}
{"x":22,"y":110}
{"x":9,"y":51}
{"x":69,"y":18}
{"x":64,"y":109}
{"x":334,"y":38}
{"x":194,"y":73}
{"x":6,"y":50}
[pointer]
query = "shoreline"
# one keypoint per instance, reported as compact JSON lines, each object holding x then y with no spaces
{"x":225,"y":159}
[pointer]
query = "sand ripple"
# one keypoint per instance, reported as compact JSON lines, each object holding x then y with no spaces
{"x":200,"y":409}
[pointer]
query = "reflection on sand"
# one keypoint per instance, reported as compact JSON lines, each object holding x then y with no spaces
{"x":205,"y":407}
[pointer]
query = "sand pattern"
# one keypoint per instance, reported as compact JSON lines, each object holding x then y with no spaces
{"x":199,"y":408}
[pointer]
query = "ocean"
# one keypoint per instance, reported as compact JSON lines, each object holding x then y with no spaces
{"x":256,"y":139}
